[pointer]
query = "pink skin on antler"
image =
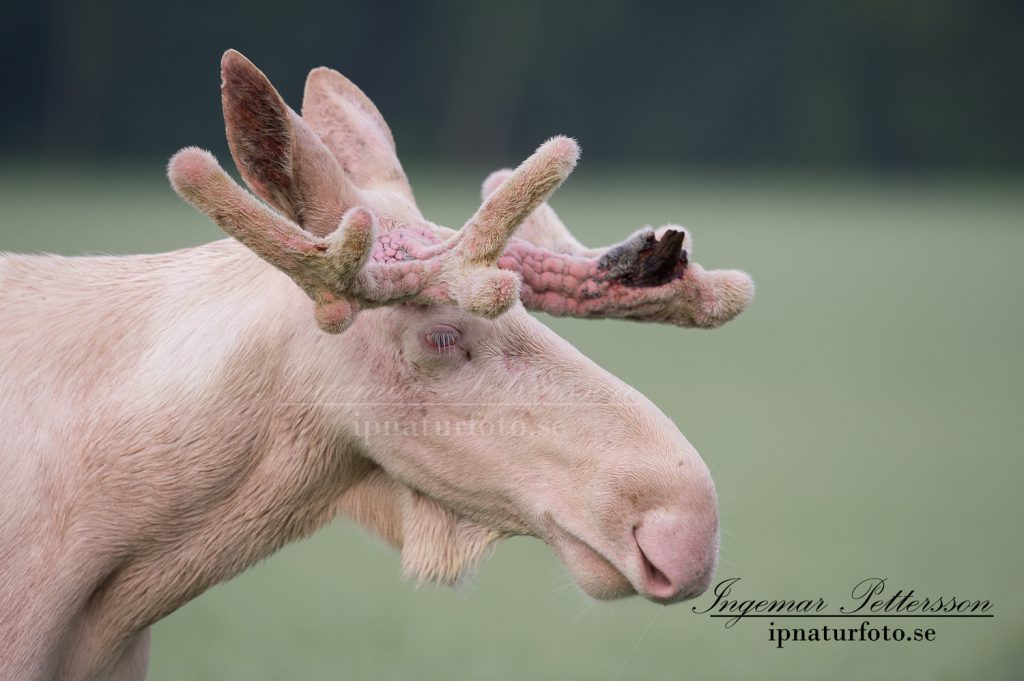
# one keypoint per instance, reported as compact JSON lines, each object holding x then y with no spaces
{"x":352,"y":245}
{"x":353,"y":267}
{"x":647,"y":277}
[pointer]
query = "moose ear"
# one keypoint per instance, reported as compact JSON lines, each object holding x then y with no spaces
{"x":278,"y":155}
{"x":355,"y":132}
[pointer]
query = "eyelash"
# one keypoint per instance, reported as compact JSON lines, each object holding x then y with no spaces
{"x":445,"y":341}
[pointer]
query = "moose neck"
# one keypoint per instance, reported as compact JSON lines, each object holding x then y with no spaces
{"x":232,"y":463}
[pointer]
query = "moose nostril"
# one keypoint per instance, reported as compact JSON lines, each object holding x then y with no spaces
{"x":655,"y":577}
{"x":676,"y":554}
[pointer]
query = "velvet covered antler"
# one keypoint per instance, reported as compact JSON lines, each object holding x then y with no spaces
{"x":358,"y":262}
{"x":356,"y":266}
{"x":647,"y":277}
{"x":346,"y":227}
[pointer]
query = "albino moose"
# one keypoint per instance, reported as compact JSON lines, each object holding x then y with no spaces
{"x":168,"y":420}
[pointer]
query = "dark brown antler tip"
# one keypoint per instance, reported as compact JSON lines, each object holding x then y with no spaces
{"x":659,"y":265}
{"x":649,"y":262}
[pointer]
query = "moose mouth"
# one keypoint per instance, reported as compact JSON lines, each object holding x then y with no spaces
{"x":606,"y":574}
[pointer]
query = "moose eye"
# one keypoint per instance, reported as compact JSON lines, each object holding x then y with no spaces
{"x":443,"y":339}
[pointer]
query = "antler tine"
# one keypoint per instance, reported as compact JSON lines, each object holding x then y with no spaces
{"x":333,"y":270}
{"x":323,"y":266}
{"x":462,"y":270}
{"x":484,"y":236}
{"x":542,"y":227}
{"x":198,"y":178}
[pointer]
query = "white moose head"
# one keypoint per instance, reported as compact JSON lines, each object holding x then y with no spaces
{"x":436,"y":333}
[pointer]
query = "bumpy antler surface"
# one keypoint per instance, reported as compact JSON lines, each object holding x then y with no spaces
{"x":346,"y":227}
{"x":355,"y":267}
{"x":647,"y":277}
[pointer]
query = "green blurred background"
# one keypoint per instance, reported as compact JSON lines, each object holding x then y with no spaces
{"x":861,"y":159}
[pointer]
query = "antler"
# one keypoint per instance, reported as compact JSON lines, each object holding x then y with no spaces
{"x":350,"y":234}
{"x":647,"y":277}
{"x":351,"y":267}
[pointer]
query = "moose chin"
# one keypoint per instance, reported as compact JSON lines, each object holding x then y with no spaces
{"x":168,"y":420}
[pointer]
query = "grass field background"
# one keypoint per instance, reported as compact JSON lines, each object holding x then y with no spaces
{"x":862,"y":418}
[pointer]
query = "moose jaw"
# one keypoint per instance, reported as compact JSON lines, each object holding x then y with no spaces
{"x":168,"y":420}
